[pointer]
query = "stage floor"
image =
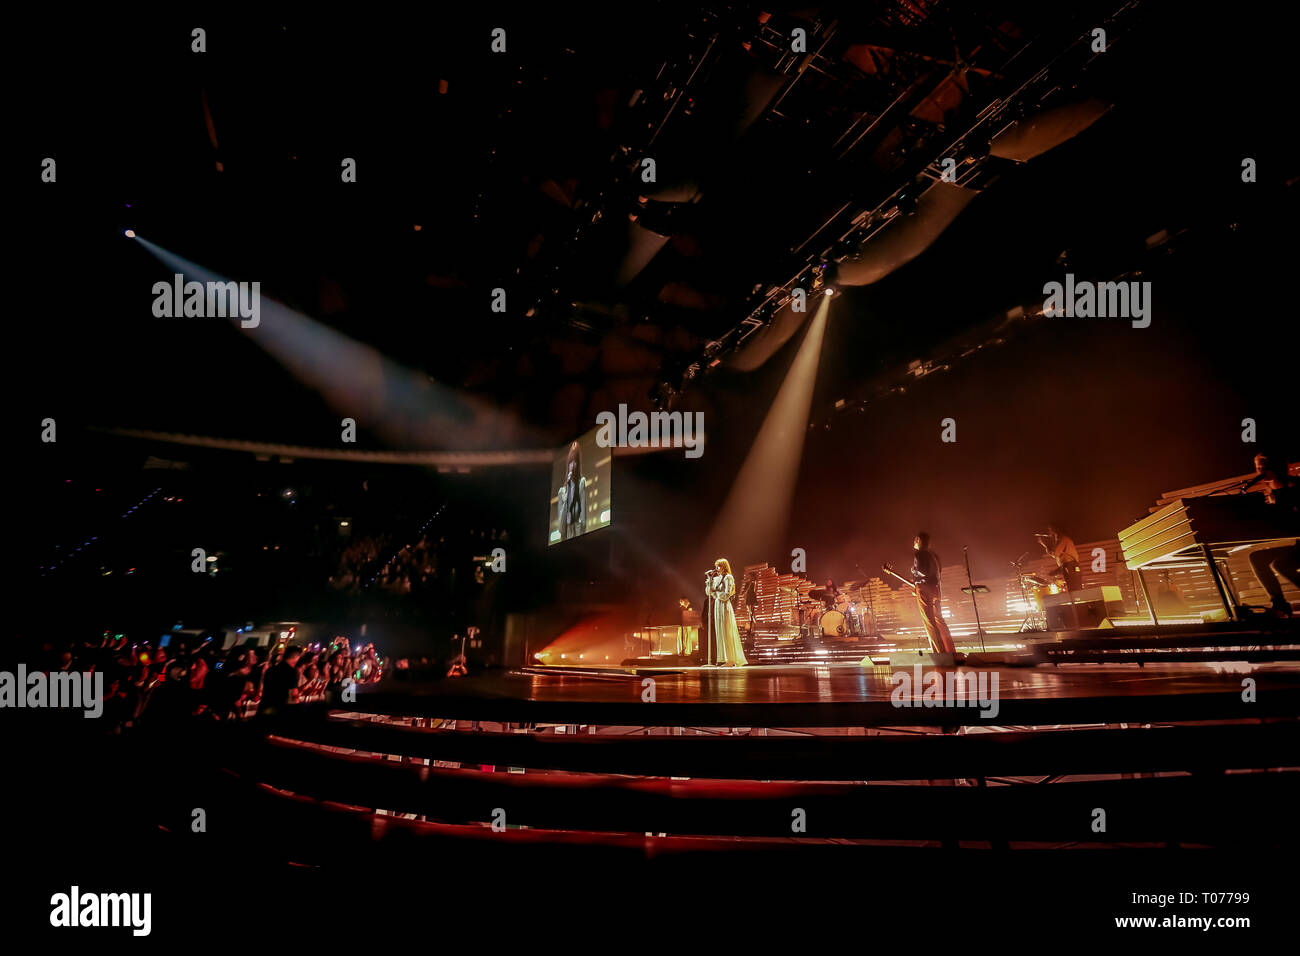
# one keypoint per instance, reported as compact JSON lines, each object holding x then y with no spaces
{"x":774,"y":684}
{"x":813,"y":695}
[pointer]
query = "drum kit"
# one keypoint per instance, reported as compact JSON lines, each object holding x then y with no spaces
{"x":1032,"y":589}
{"x":834,"y":617}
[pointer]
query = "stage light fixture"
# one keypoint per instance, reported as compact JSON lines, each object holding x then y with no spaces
{"x":826,"y":277}
{"x":130,"y":233}
{"x":845,"y":248}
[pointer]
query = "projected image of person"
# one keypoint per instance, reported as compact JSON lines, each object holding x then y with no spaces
{"x":572,"y":497}
{"x":721,"y":587}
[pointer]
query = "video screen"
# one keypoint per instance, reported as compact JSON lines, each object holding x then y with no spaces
{"x":580,"y":489}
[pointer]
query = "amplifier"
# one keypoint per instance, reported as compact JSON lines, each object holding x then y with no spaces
{"x":1082,"y":610}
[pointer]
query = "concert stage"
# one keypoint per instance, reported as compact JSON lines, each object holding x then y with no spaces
{"x":843,"y":696}
{"x":1170,"y":673}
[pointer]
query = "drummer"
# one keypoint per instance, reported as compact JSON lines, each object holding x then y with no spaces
{"x":832,"y":597}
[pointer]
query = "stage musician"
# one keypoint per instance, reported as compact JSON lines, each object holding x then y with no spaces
{"x":1268,"y":563}
{"x":721,"y":588}
{"x":1061,"y":548}
{"x":925,"y":575}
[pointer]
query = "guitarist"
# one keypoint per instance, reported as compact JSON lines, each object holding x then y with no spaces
{"x":1061,"y":548}
{"x":925,"y":576}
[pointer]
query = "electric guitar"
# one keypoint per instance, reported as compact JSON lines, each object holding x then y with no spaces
{"x":1063,"y":563}
{"x":889,"y":569}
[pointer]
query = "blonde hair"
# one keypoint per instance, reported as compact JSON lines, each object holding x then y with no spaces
{"x":726,"y":565}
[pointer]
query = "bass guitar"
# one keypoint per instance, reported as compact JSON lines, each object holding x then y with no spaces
{"x":889,"y":569}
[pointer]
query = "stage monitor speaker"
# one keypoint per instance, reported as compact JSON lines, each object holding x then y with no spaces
{"x":1085,"y":609}
{"x":1086,"y":615}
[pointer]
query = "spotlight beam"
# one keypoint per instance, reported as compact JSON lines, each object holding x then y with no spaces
{"x":753,"y":519}
{"x":403,"y":406}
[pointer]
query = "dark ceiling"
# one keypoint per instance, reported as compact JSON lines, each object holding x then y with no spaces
{"x":522,"y":171}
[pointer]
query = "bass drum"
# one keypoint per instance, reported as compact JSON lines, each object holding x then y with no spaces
{"x":833,"y":624}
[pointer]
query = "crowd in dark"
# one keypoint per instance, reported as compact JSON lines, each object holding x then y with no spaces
{"x":148,"y":685}
{"x":378,"y":562}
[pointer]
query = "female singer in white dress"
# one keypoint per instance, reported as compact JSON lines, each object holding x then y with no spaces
{"x":722,"y":587}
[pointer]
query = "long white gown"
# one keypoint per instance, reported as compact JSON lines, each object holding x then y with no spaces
{"x":721,"y":587}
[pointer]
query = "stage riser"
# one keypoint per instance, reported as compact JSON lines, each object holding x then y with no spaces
{"x":803,"y":652}
{"x":768,"y":650}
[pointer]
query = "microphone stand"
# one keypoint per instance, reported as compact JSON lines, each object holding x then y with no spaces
{"x":871,"y":601}
{"x":1019,"y":565}
{"x":976,"y":604}
{"x":706,"y":635}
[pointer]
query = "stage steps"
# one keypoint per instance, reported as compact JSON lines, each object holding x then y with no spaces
{"x":803,"y":650}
